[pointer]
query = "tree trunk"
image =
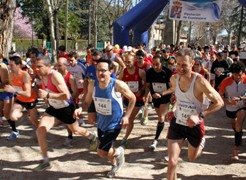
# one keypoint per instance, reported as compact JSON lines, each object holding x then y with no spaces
{"x":7,"y":9}
{"x":240,"y":28}
{"x":178,"y":32}
{"x":52,"y":30}
{"x":56,"y":26}
{"x":95,"y":5}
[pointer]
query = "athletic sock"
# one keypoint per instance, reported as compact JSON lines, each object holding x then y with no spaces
{"x":12,"y":125}
{"x":70,"y":136}
{"x":238,"y":138}
{"x":159,"y":128}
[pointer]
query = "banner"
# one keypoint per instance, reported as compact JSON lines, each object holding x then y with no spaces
{"x":195,"y":10}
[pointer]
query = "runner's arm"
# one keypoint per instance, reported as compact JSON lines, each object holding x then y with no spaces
{"x":216,"y":100}
{"x":123,"y":88}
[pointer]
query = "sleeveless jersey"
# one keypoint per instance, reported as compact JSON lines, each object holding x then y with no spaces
{"x":17,"y":83}
{"x":134,"y":82}
{"x":55,"y":103}
{"x":109,"y":107}
{"x":186,"y":103}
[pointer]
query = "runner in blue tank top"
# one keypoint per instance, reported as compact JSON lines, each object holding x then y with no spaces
{"x":107,"y":95}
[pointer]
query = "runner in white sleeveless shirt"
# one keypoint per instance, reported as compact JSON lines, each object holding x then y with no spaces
{"x":191,"y":91}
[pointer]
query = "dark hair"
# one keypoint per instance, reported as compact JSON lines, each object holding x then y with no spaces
{"x":16,"y":59}
{"x":96,"y":53}
{"x":109,"y":62}
{"x":237,"y":67}
{"x":62,"y":48}
{"x":140,"y":53}
{"x":73,"y":54}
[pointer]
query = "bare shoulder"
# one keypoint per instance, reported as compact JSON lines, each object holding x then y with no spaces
{"x":120,"y":85}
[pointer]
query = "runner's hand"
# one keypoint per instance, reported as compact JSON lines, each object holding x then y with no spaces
{"x":124,"y":122}
{"x":193,"y":120}
{"x":42,"y":93}
{"x":169,"y":116}
{"x":9,"y":88}
{"x":77,"y":112}
{"x":156,"y":95}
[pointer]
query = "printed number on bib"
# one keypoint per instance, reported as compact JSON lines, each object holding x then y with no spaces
{"x":159,"y":87}
{"x":184,"y":111}
{"x":103,"y":106}
{"x":133,"y":85}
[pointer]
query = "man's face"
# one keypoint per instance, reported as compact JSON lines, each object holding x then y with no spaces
{"x":197,"y":67}
{"x":237,"y":76}
{"x":61,"y":66}
{"x":72,"y":61}
{"x":12,"y":66}
{"x":109,"y":50}
{"x":129,"y":62}
{"x":140,"y":59}
{"x":33,"y":57}
{"x":184,"y":65}
{"x":103,"y":72}
{"x":156,"y":64}
{"x":95,"y":59}
{"x":41,"y":68}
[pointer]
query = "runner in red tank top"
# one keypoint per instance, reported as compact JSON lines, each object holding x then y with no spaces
{"x":135,"y":79}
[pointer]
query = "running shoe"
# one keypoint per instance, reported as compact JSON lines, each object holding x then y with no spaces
{"x":13,"y":136}
{"x":144,"y":121}
{"x":120,"y":158}
{"x":68,"y":142}
{"x":153,"y":145}
{"x":235,"y":152}
{"x":93,"y":143}
{"x":42,"y":166}
{"x":112,"y":172}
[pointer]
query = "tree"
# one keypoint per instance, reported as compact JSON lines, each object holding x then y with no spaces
{"x":7,"y":9}
{"x":112,"y":9}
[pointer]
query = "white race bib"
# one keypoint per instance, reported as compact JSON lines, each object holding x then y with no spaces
{"x":159,"y":87}
{"x":103,"y":106}
{"x":133,"y":85}
{"x":184,"y":111}
{"x":57,"y":104}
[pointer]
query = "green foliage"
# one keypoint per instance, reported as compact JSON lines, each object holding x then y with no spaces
{"x":235,"y":19}
{"x":22,"y":45}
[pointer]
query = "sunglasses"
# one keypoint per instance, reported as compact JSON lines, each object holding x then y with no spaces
{"x":109,"y":50}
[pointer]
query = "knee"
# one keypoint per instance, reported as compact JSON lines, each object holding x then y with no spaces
{"x":172,"y":162}
{"x":14,"y":116}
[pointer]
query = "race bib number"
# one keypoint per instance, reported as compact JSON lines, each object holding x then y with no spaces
{"x":133,"y":85}
{"x":57,"y":104}
{"x":103,"y":106}
{"x":221,"y":69}
{"x":185,"y":110}
{"x":159,"y":87}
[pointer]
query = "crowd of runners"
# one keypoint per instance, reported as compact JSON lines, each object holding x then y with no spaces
{"x":115,"y":85}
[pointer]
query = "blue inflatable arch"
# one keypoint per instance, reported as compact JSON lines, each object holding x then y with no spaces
{"x":138,"y":20}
